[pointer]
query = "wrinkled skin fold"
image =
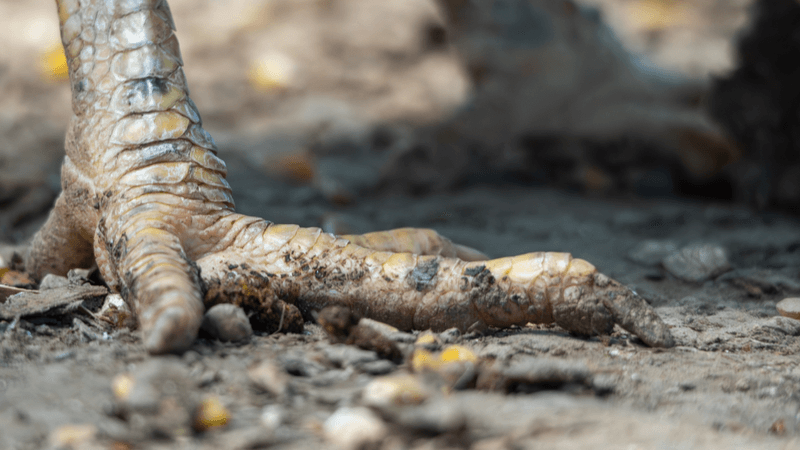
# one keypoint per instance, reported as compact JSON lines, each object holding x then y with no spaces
{"x":144,"y":196}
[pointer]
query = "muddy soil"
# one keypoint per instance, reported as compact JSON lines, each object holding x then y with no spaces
{"x":732,"y":381}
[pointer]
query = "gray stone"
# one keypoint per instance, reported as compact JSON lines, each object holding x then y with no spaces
{"x":52,"y":281}
{"x":228,"y":323}
{"x":348,"y":356}
{"x":697,"y":262}
{"x":651,"y":252}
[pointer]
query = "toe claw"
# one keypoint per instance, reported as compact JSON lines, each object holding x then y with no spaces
{"x":633,"y":313}
{"x":173,"y":330}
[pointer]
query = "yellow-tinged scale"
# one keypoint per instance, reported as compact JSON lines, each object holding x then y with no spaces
{"x":158,"y":173}
{"x":150,"y":127}
{"x":525,"y":268}
{"x":169,"y":99}
{"x":499,"y":267}
{"x":276,"y":236}
{"x":305,"y":238}
{"x":206,"y":176}
{"x":399,"y":264}
{"x":148,"y":234}
{"x":555,"y":263}
{"x":580,"y":268}
{"x":206,"y":159}
{"x":377,"y":258}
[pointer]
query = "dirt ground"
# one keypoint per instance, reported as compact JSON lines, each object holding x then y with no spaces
{"x":732,"y":381}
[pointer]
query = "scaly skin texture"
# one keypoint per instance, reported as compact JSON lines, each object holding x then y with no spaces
{"x":145,"y":197}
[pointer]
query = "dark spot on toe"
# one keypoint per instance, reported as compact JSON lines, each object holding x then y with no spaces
{"x":423,"y":276}
{"x":472,"y":271}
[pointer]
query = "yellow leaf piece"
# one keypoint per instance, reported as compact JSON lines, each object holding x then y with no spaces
{"x":211,"y":414}
{"x":458,"y":353}
{"x":426,"y":339}
{"x":425,"y":360}
{"x":53,"y":64}
{"x":121,"y":386}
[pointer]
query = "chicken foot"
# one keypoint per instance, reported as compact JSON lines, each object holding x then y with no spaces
{"x":144,"y":196}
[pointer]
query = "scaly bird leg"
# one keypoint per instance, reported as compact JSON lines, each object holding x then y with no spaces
{"x":145,"y":197}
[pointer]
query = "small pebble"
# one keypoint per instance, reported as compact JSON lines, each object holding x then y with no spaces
{"x":299,"y":363}
{"x":697,"y":263}
{"x":116,"y":311}
{"x":228,"y":323}
{"x":789,"y":307}
{"x":379,"y":367}
{"x":354,"y":428}
{"x":651,"y":252}
{"x":434,"y":417}
{"x":210,"y":414}
{"x":386,"y":393}
{"x":159,"y":397}
{"x":272,"y":416}
{"x":72,"y":436}
{"x":269,"y":377}
{"x":786,"y":325}
{"x":346,"y":355}
{"x":450,"y":336}
{"x":52,"y":281}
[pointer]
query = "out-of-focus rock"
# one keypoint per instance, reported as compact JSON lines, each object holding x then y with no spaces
{"x":158,"y":399}
{"x":557,"y":99}
{"x":344,"y":326}
{"x":789,"y":307}
{"x":532,"y":373}
{"x":228,"y":323}
{"x":348,"y":356}
{"x":698,"y":262}
{"x":787,"y":325}
{"x":211,"y":413}
{"x":456,"y":365}
{"x":651,"y":252}
{"x":393,"y":391}
{"x":353,"y":428}
{"x":117,"y":312}
{"x":52,"y":281}
{"x":73,"y":437}
{"x":437,"y":416}
{"x":269,"y":377}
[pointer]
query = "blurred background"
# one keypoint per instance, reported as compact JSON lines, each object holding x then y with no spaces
{"x":350,"y":98}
